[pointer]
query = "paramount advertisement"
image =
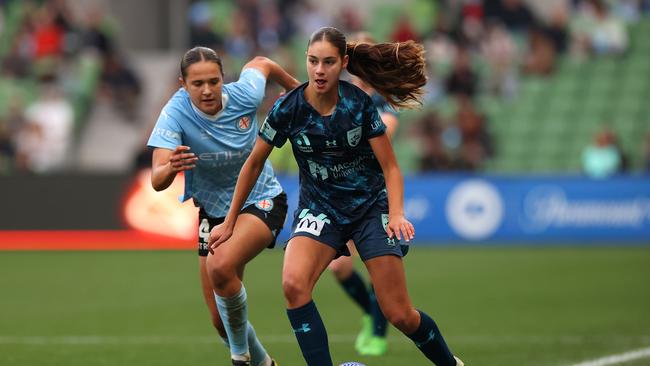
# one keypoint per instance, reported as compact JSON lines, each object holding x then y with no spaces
{"x":489,"y":209}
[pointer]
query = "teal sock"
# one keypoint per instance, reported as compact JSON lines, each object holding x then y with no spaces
{"x":311,"y":335}
{"x":234,"y":314}
{"x":431,"y":343}
{"x":356,"y":289}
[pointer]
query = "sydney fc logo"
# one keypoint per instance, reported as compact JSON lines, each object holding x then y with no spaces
{"x":354,"y":136}
{"x":244,"y":123}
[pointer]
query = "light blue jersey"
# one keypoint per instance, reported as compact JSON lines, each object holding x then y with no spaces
{"x":221,"y":142}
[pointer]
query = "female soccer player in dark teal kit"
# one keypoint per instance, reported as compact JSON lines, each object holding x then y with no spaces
{"x":350,"y":185}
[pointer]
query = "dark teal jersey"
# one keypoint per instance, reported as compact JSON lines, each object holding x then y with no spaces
{"x":382,"y":105}
{"x":339,"y":174}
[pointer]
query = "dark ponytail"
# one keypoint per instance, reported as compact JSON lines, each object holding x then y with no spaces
{"x":394,"y":70}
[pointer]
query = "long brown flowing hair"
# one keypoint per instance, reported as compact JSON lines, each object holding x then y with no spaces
{"x":394,"y":70}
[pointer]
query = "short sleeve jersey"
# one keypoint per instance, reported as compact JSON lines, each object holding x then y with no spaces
{"x":382,"y":105}
{"x":221,"y":142}
{"x":339,"y":174}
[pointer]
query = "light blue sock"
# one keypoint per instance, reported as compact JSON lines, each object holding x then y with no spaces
{"x":258,"y":353}
{"x":234,"y":315}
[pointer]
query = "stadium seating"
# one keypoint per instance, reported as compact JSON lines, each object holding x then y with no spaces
{"x":545,"y":128}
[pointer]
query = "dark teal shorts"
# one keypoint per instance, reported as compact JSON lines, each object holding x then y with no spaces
{"x":368,"y":232}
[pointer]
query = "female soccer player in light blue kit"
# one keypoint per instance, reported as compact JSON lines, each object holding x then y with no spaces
{"x":350,"y":185}
{"x":208,"y":129}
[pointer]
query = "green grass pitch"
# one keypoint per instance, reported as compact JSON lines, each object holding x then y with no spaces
{"x":497,"y":306}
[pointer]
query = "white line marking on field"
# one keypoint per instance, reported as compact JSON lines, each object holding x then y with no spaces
{"x":617,"y":359}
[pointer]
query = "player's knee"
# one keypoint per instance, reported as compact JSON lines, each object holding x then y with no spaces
{"x":403,"y":320}
{"x":221,"y":271}
{"x":296,"y":290}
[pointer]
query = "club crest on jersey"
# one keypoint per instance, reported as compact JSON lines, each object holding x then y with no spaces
{"x":244,"y":123}
{"x":264,"y":205}
{"x":354,"y":136}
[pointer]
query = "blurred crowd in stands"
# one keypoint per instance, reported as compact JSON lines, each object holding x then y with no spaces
{"x":474,"y":48}
{"x":55,"y":61}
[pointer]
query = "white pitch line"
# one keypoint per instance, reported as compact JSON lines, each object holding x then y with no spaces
{"x":617,"y":359}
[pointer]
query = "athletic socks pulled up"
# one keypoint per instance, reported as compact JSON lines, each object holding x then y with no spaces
{"x":234,"y":314}
{"x":431,"y":343}
{"x":356,"y":289}
{"x":310,"y":332}
{"x":259,"y":357}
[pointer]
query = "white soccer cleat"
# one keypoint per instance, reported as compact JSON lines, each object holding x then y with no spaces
{"x":458,"y":361}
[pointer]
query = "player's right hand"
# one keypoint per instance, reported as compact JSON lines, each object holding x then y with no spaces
{"x":181,"y":159}
{"x":218,"y":235}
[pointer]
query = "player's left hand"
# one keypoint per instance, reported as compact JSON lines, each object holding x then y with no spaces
{"x":399,"y":226}
{"x":218,"y":235}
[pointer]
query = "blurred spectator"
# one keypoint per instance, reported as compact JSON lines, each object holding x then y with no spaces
{"x":120,"y":84}
{"x":602,"y":158}
{"x":471,"y":23}
{"x":350,"y":20}
{"x":42,"y":143}
{"x":596,"y":30}
{"x":557,"y":29}
{"x":201,"y":30}
{"x":97,"y":33}
{"x":308,"y":19}
{"x":476,"y":142}
{"x":268,"y":35}
{"x":403,"y":30}
{"x":540,"y":56}
{"x":608,"y":35}
{"x":18,"y":62}
{"x":462,"y":80}
{"x":48,"y":34}
{"x":514,"y":14}
{"x":500,"y":51}
{"x":240,"y":42}
{"x":433,"y":154}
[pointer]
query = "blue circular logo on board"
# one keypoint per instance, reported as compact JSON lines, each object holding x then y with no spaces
{"x":475,"y":209}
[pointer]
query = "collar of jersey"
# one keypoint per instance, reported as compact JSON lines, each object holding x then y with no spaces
{"x":214,"y":117}
{"x":338,"y":106}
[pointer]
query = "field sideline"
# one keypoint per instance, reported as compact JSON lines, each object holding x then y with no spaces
{"x":500,"y":306}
